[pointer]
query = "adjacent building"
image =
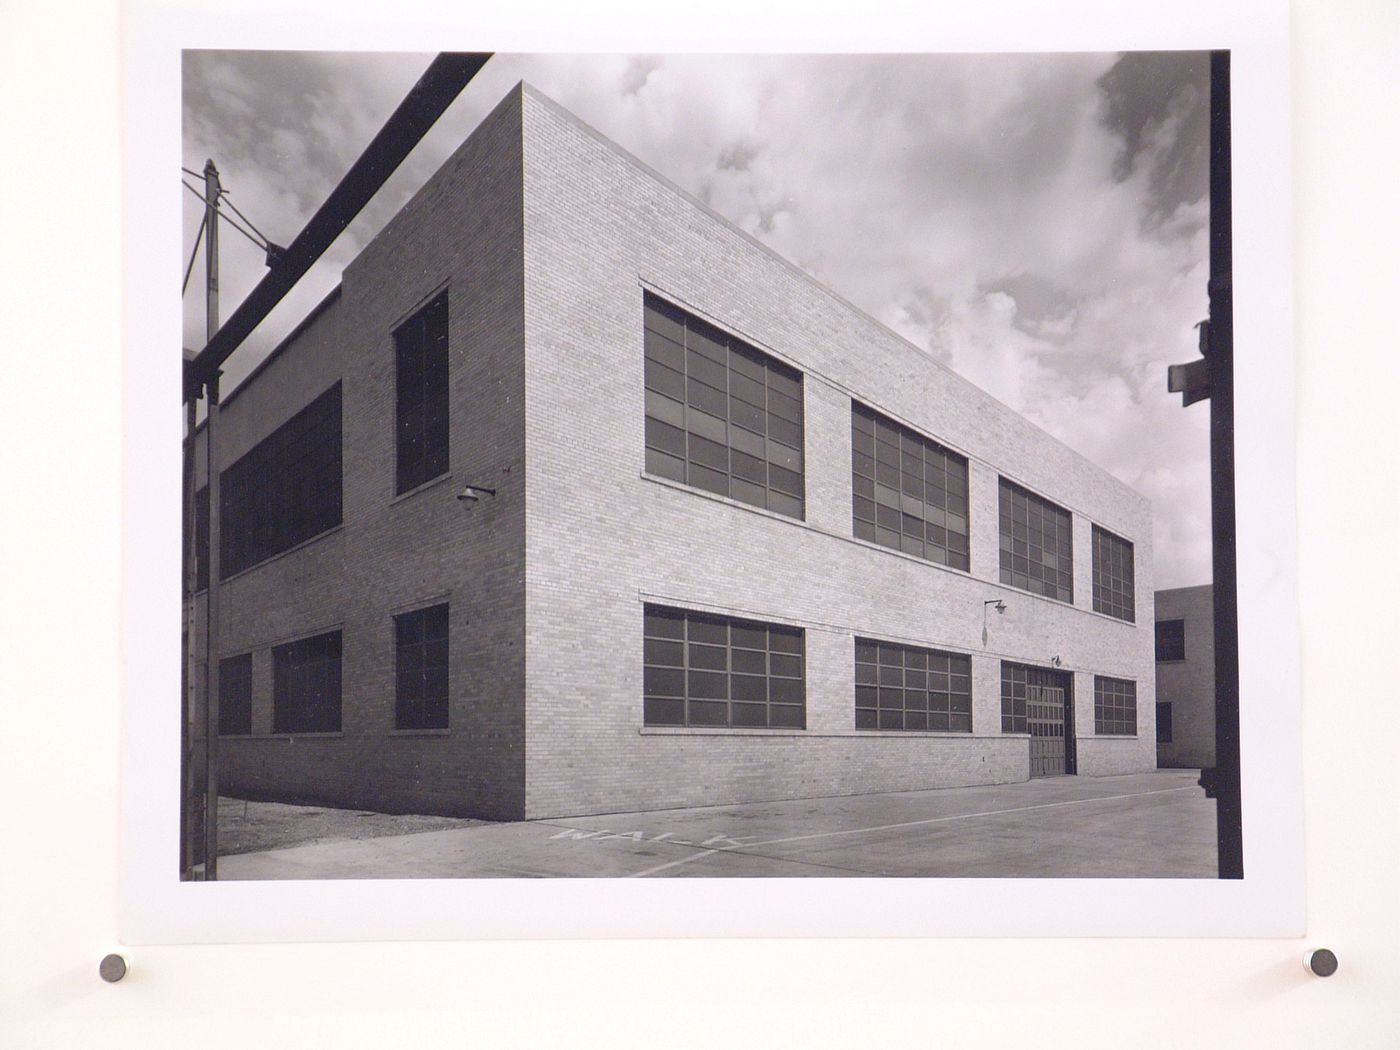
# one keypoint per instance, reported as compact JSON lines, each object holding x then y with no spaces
{"x":1186,"y":677}
{"x":574,"y":498}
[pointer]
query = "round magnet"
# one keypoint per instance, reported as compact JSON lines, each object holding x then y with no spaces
{"x":112,"y":968}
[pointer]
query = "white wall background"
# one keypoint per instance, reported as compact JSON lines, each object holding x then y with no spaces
{"x":60,"y":530}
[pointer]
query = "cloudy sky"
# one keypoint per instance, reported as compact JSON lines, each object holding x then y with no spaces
{"x":1038,"y":223}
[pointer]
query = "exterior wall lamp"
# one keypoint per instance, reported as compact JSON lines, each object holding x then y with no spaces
{"x":1000,"y":607}
{"x":472,"y":493}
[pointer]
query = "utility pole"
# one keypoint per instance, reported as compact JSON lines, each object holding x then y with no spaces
{"x":1228,"y":802}
{"x":188,"y":695}
{"x":444,"y":79}
{"x":1213,"y":378}
{"x":211,"y":632}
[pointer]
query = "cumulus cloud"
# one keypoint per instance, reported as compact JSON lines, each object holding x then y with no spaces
{"x":1036,"y":222}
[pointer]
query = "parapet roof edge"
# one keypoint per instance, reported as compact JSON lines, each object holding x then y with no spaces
{"x":277,"y":351}
{"x":1184,"y":589}
{"x":526,"y":88}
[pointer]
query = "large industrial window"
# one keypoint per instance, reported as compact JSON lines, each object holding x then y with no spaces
{"x":703,"y":670}
{"x":1115,"y":706}
{"x":1171,"y":640}
{"x":1014,"y":678}
{"x":899,"y":687}
{"x":908,"y":492}
{"x":1113,"y":575}
{"x":420,"y":669}
{"x":285,"y":491}
{"x":720,"y":415}
{"x":236,"y":695}
{"x":1037,"y":550}
{"x":201,"y":539}
{"x":420,"y":387}
{"x":1164,"y":722}
{"x":306,"y":685}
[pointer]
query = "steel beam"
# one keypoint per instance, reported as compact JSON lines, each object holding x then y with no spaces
{"x":440,"y":84}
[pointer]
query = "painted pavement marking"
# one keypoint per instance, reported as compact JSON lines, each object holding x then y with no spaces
{"x":905,"y":824}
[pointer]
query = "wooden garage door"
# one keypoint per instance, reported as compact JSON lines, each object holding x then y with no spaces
{"x":1045,"y":718}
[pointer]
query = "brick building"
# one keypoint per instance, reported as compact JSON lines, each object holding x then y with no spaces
{"x":1186,"y":677}
{"x":744,"y":542}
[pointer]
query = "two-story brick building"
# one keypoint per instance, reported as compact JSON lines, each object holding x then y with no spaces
{"x":574,"y":498}
{"x":1186,"y":677}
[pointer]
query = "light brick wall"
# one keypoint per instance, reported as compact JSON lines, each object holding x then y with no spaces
{"x":1189,"y":685}
{"x":462,"y":231}
{"x":603,"y":539}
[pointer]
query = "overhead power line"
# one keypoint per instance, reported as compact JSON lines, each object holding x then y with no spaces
{"x":262,"y":244}
{"x":440,"y":84}
{"x":245,"y":218}
{"x":194,"y":254}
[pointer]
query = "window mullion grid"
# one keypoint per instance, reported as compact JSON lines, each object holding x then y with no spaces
{"x":685,"y":667}
{"x":769,"y":672}
{"x":767,"y":438}
{"x":728,"y":656}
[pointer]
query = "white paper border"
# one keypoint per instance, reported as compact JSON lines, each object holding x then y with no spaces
{"x":156,"y":908}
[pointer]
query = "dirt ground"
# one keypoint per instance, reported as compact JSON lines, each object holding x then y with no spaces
{"x":251,"y":827}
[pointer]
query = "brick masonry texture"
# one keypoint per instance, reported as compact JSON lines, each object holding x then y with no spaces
{"x":603,"y":538}
{"x":462,"y":231}
{"x":545,"y":236}
{"x":1189,"y":684}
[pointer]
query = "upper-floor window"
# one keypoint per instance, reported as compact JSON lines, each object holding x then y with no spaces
{"x":286,"y":490}
{"x":1037,"y":549}
{"x":420,"y":669}
{"x":703,"y":670}
{"x":908,"y":492}
{"x":306,"y":685}
{"x":201,"y":538}
{"x":236,"y":695}
{"x":1171,"y":640}
{"x":1113,"y":575}
{"x":420,"y":390}
{"x":721,"y":415}
{"x":901,"y":687}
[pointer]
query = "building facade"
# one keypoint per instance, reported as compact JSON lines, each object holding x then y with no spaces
{"x":573,"y":498}
{"x":1186,"y":677}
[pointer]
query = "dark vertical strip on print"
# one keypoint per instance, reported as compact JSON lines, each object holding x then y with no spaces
{"x":1228,"y":807}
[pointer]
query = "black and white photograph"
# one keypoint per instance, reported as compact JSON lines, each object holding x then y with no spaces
{"x":733,"y":466}
{"x":812,"y":526}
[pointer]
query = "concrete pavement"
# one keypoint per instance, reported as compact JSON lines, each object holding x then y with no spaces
{"x":1153,"y":825}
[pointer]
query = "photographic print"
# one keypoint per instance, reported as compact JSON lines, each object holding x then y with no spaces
{"x":700,"y":466}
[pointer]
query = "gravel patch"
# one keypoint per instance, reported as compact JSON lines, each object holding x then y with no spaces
{"x":252,"y":827}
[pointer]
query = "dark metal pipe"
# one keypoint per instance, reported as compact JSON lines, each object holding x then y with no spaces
{"x":442,"y":82}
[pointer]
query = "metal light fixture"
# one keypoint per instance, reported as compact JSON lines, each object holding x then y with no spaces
{"x":472,"y":493}
{"x":1000,"y":607}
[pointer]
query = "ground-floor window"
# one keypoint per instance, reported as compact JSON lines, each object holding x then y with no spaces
{"x":236,"y":695}
{"x":1115,"y":706}
{"x":704,"y":670}
{"x":1014,"y":679}
{"x":420,"y":669}
{"x":901,"y":687}
{"x":306,"y":685}
{"x":1164,"y":722}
